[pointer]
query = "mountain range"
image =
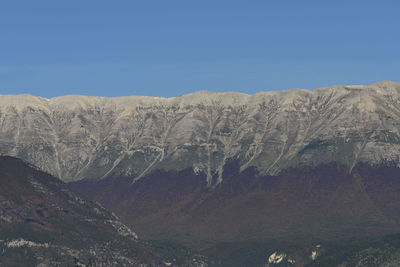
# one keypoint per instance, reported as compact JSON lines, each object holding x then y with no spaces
{"x":232,"y":176}
{"x":77,"y":137}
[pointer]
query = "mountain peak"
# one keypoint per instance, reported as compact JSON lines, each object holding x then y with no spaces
{"x":387,"y":83}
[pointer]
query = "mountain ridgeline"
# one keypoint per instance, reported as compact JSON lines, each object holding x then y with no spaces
{"x":77,"y":137}
{"x":284,"y":178}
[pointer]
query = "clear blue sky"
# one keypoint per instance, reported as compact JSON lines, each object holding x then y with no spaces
{"x":168,"y":48}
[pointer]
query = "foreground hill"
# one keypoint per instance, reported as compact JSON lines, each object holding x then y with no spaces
{"x":254,"y":215}
{"x":43,"y":223}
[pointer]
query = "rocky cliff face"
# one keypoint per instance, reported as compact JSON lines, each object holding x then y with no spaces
{"x":76,"y":137}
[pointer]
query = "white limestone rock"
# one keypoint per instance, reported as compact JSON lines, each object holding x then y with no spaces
{"x":76,"y":137}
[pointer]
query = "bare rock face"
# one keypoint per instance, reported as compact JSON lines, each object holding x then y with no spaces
{"x":76,"y":137}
